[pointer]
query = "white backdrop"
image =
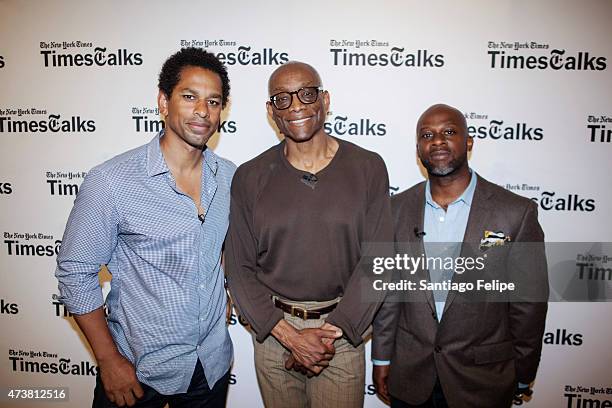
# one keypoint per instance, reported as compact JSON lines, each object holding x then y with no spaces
{"x":78,"y":86}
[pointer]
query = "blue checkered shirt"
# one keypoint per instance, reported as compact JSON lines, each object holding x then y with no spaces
{"x":166,"y":306}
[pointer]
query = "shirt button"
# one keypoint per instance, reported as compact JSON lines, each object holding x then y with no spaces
{"x":437,"y":349}
{"x":441,"y":219}
{"x":202,"y":286}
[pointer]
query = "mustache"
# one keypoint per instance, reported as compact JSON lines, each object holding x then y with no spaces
{"x":439,"y":149}
{"x":200,"y":122}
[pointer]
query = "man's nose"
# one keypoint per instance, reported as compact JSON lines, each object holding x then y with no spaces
{"x":201,"y":108}
{"x":438,"y":138}
{"x":296,"y":104}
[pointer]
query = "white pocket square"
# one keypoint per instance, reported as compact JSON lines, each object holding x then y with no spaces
{"x":492,"y":239}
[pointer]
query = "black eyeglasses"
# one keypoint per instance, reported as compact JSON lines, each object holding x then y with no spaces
{"x":306,"y":95}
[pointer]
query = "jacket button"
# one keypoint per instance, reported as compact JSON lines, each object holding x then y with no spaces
{"x":437,"y":349}
{"x":433,"y":314}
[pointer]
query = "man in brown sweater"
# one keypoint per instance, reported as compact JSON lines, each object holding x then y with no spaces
{"x":302,"y":215}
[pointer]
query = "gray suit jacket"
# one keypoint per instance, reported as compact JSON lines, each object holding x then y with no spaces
{"x":479,"y":350}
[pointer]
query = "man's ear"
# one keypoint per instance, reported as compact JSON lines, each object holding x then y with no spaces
{"x":162,"y":103}
{"x":326,"y":101}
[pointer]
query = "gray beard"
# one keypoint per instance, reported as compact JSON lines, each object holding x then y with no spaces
{"x":441,"y":171}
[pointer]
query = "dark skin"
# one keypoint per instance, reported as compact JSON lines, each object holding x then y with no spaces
{"x":443,"y":144}
{"x":192,"y":115}
{"x":307,"y":148}
{"x":380,"y":375}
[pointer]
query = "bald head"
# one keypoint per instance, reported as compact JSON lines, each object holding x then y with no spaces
{"x":304,"y":106}
{"x":290,"y":69}
{"x":441,"y":110}
{"x":443,"y":141}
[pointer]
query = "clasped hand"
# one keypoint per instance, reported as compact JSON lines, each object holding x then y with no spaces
{"x":312,"y":349}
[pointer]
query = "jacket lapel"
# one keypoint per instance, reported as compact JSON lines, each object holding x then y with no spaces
{"x":417,"y":242}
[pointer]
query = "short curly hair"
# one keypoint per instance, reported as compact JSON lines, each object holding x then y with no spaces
{"x":170,"y":74}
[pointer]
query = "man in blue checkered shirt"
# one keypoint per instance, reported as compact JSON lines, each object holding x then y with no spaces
{"x":157,"y":216}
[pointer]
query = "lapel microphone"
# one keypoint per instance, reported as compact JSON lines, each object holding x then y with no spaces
{"x":418,"y":233}
{"x":201,"y":217}
{"x":310,"y":180}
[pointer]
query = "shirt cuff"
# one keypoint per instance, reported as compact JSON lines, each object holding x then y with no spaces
{"x":381,"y":362}
{"x":81,"y":302}
{"x":266,"y":328}
{"x":339,"y":320}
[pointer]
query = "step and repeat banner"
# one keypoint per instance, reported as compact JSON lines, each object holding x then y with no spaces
{"x":78,"y":85}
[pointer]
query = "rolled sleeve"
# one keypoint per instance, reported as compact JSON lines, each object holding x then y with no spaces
{"x":88,"y":243}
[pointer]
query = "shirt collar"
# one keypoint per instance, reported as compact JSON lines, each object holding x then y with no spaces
{"x":466,"y":197}
{"x":157,"y":165}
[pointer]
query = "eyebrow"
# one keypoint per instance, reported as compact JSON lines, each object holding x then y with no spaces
{"x":193,"y":91}
{"x":447,"y":123}
{"x":308,"y":84}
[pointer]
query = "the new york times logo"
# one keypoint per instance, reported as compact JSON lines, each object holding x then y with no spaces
{"x":550,"y":201}
{"x":522,"y":57}
{"x":342,"y":125}
{"x":598,"y":131}
{"x":79,"y":54}
{"x":497,"y":129}
{"x":31,"y":244}
{"x":44,"y":362}
{"x":64,"y":183}
{"x":563,"y":337}
{"x":50,"y":122}
{"x":594,"y":267}
{"x":6,"y":188}
{"x":147,"y":120}
{"x":212,"y":42}
{"x":8,"y":307}
{"x":242,"y":54}
{"x":364,"y":55}
{"x":580,"y":396}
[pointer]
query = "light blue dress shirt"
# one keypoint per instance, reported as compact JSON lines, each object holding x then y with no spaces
{"x":446,"y":227}
{"x":166,"y":306}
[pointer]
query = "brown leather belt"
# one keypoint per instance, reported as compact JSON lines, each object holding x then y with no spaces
{"x":303,"y":313}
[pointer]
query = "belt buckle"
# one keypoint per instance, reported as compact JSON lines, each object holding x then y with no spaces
{"x":295,"y":311}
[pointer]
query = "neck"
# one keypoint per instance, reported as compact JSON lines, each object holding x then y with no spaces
{"x":446,"y":189}
{"x":180,"y":156}
{"x":313,"y":154}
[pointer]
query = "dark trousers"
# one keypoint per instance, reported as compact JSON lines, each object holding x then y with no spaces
{"x":198,"y":395}
{"x":436,"y":400}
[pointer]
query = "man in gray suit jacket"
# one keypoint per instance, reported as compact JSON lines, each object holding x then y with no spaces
{"x":443,"y":348}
